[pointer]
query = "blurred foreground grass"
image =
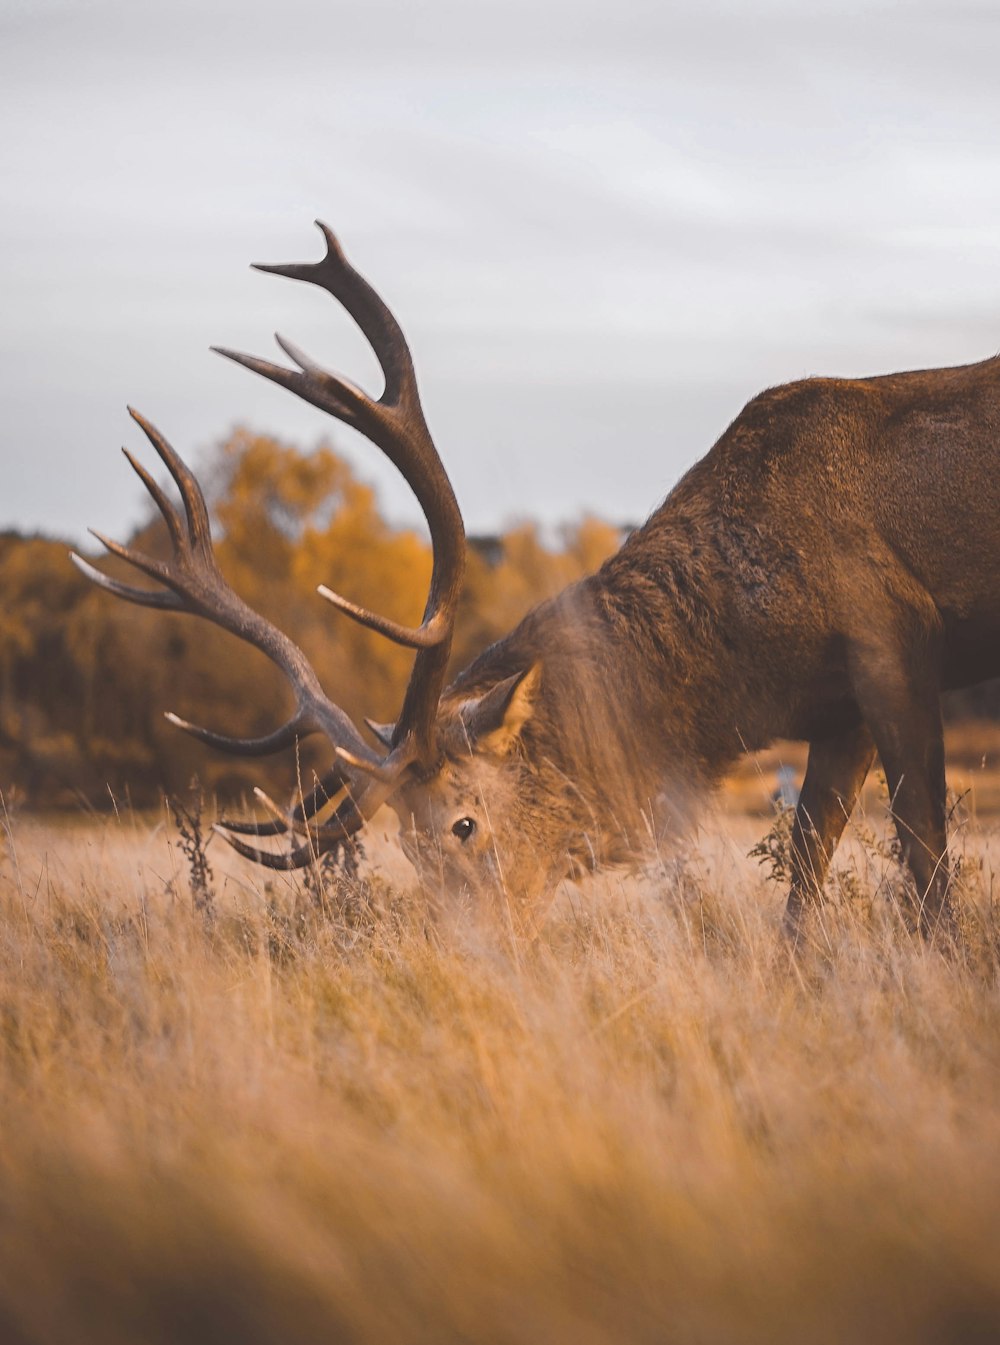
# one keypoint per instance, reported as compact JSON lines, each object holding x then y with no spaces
{"x":360,"y":1123}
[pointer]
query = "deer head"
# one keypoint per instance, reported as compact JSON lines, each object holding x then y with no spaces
{"x":451,"y":767}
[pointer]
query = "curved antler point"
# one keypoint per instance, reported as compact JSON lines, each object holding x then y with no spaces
{"x":332,"y":241}
{"x":108,"y":543}
{"x":269,"y":804}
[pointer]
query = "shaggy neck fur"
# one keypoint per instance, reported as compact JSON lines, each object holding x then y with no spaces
{"x":633,"y":715}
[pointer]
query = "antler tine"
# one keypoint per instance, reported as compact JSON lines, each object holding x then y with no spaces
{"x":384,"y":774}
{"x":281,"y":823}
{"x":266,"y":745}
{"x":167,"y":510}
{"x":426,"y":636}
{"x":278,"y":815}
{"x":320,"y":388}
{"x":274,"y":828}
{"x":199,"y":529}
{"x":153,"y":568}
{"x":284,"y":860}
{"x":395,"y":423}
{"x":145,"y":597}
{"x":324,"y":790}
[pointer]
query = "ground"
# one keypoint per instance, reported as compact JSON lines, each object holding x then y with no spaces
{"x":288,"y":1113}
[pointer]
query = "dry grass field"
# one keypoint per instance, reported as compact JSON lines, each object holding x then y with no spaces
{"x":313,"y":1115}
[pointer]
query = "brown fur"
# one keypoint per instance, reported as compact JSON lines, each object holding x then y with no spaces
{"x":827,"y":569}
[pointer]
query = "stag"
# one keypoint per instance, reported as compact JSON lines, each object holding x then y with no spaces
{"x":822,"y":574}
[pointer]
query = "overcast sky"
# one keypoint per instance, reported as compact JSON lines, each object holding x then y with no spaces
{"x":603,"y":226}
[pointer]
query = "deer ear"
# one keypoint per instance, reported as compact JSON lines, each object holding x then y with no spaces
{"x":494,"y":720}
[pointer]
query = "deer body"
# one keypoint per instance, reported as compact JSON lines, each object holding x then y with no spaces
{"x":828,"y":568}
{"x":822,"y":574}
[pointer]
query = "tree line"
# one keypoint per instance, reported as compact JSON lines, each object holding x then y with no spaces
{"x":85,"y":678}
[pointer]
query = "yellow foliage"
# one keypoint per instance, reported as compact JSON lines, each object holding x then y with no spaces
{"x":94,"y":676}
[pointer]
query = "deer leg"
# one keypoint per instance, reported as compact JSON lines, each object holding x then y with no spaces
{"x":900,"y":699}
{"x":835,"y":772}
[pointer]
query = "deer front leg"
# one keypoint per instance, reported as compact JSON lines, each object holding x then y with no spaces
{"x":835,"y":772}
{"x":899,"y":695}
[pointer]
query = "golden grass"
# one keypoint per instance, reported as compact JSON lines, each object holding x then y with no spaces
{"x":360,"y":1125}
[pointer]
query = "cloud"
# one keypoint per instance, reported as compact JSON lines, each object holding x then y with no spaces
{"x":603,"y":225}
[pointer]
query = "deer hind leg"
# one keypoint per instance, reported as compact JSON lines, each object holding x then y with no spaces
{"x":835,"y":772}
{"x":897,"y":685}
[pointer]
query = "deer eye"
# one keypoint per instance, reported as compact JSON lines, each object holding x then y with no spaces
{"x":464,"y":828}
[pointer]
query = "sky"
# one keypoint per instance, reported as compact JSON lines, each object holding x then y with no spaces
{"x":603,"y":226}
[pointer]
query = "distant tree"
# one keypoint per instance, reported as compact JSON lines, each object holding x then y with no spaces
{"x":84,"y":680}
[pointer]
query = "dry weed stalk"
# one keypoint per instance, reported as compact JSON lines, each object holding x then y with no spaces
{"x":188,"y":818}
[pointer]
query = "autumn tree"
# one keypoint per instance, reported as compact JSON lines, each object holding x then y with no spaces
{"x":84,"y":680}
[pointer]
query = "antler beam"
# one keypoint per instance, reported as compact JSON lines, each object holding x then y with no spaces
{"x":395,"y":423}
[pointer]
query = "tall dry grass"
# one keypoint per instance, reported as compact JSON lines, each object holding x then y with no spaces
{"x":350,"y":1122}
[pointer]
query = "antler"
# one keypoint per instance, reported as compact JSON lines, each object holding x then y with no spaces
{"x":395,"y":422}
{"x":192,"y":581}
